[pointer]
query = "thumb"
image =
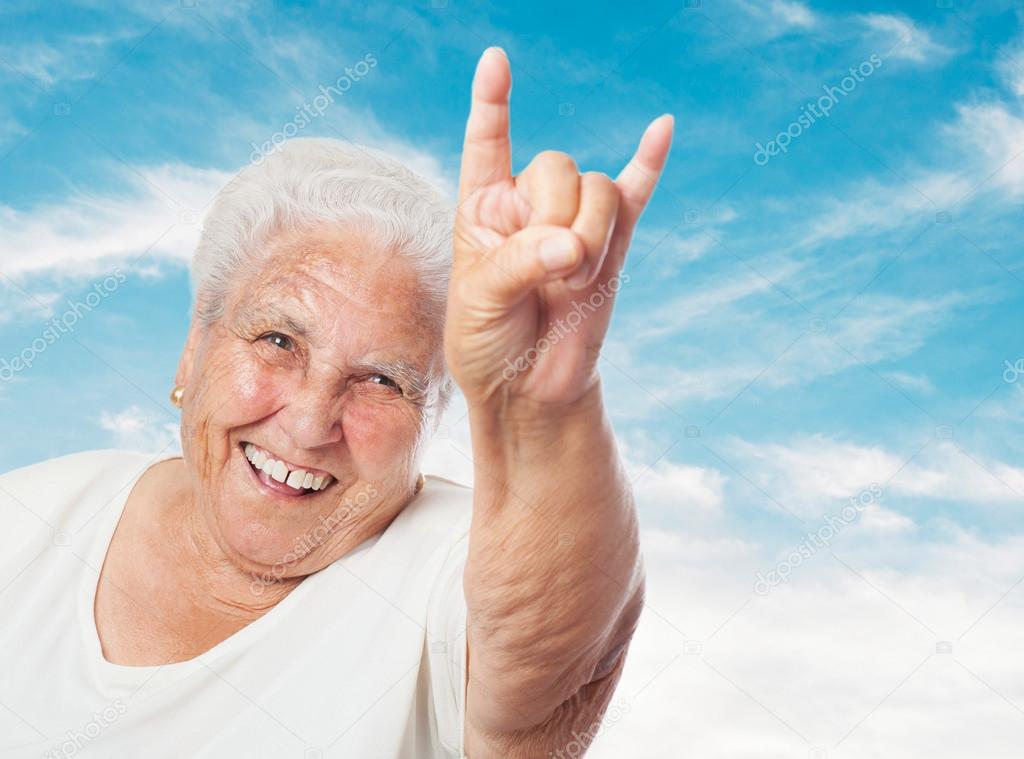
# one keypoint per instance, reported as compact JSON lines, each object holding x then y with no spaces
{"x":525,"y":260}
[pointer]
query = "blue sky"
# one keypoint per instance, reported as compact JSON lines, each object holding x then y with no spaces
{"x":791,"y":332}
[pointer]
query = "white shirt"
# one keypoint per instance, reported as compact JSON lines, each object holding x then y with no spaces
{"x":364,"y":659}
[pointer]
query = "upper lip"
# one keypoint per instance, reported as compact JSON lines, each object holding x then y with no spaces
{"x":288,"y":462}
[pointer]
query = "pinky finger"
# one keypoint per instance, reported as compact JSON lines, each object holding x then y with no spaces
{"x":638,"y":179}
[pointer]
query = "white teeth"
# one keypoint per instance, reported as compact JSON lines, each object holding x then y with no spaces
{"x":280,"y":472}
{"x":299,"y":479}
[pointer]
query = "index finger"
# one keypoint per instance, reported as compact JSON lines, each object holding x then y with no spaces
{"x":487,"y":152}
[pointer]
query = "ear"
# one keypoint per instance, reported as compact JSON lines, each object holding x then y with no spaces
{"x":188,"y":353}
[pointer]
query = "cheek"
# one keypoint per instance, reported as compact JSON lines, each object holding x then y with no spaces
{"x":240,"y":390}
{"x":379,"y":439}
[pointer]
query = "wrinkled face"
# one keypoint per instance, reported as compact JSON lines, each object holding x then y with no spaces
{"x":307,"y":404}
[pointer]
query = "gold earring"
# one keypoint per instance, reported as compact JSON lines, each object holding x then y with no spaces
{"x":177,"y":394}
{"x":420,"y":482}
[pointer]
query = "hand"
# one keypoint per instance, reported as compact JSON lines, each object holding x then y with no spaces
{"x":537,"y":256}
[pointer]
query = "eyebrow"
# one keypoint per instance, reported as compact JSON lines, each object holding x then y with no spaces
{"x":271,"y":313}
{"x":409,"y":377}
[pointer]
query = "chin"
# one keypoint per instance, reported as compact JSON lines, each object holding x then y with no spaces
{"x":266,"y":527}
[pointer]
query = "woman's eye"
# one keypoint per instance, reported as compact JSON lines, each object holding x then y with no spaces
{"x":381,"y":379}
{"x":281,"y":341}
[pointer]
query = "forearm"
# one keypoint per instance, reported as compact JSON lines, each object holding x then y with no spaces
{"x":573,"y":724}
{"x":553,"y":580}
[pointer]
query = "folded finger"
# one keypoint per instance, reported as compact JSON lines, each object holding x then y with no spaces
{"x":594,"y":224}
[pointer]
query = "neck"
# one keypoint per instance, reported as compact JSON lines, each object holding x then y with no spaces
{"x":215,"y":586}
{"x":167,"y":591}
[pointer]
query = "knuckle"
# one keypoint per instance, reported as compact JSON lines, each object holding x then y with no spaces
{"x":555,"y":160}
{"x":600,"y":185}
{"x":598,"y":179}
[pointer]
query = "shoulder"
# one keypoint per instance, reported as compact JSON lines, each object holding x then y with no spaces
{"x":431,"y":525}
{"x":443,"y":508}
{"x":73,"y":468}
{"x":49,"y":491}
{"x":447,"y":494}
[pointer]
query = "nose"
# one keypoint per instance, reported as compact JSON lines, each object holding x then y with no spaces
{"x":312,"y":416}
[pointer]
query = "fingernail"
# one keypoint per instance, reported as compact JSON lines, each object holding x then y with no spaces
{"x":578,"y":279}
{"x":556,"y":254}
{"x":492,"y":51}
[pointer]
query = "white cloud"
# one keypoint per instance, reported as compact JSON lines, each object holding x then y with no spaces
{"x":138,"y":429}
{"x":813,"y":475}
{"x":875,"y":328}
{"x":671,"y":249}
{"x":43,"y":63}
{"x":994,"y":138}
{"x":904,"y":39}
{"x":1010,"y":66}
{"x":671,"y":490}
{"x":872,"y":207}
{"x":880,"y":519}
{"x":708,"y":303}
{"x":984,"y":165}
{"x":847,"y":663}
{"x":879,"y":327}
{"x":158,"y":211}
{"x":11,"y":130}
{"x":793,"y":13}
{"x":1006,"y":409}
{"x":16,"y":303}
{"x":663,"y":489}
{"x":948,"y":471}
{"x":918,"y":383}
{"x":777,"y":18}
{"x":155,"y":218}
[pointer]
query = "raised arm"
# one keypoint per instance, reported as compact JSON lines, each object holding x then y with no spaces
{"x":554,"y":579}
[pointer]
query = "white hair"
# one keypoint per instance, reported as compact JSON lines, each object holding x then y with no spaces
{"x":307,"y":182}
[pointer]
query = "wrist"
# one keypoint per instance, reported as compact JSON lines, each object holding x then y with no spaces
{"x":519,"y":417}
{"x":529,"y":442}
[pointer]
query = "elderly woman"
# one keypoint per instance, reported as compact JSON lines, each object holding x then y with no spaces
{"x":292,"y":586}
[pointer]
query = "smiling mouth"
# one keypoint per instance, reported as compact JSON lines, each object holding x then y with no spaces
{"x":282,"y":477}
